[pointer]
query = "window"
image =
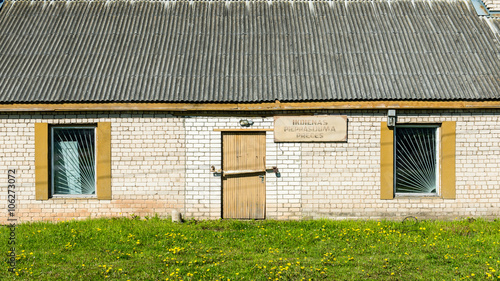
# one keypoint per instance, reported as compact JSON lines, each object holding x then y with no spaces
{"x":417,"y":160}
{"x":73,"y":160}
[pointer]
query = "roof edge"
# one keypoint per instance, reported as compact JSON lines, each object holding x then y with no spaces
{"x":268,"y":106}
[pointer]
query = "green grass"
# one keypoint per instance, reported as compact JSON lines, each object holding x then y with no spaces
{"x":157,"y":249}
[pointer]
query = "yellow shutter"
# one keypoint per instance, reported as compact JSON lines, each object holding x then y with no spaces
{"x":103,"y":169}
{"x":386,"y":162}
{"x":41,"y":161}
{"x":448,"y":151}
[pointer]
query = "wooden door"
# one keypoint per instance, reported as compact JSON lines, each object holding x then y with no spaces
{"x":243,"y":176}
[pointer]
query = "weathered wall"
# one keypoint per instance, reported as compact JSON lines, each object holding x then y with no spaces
{"x":346,"y":184}
{"x":148,"y":164}
{"x":342,"y":180}
{"x":161,"y":162}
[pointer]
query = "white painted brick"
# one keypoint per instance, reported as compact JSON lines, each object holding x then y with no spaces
{"x":160,"y":163}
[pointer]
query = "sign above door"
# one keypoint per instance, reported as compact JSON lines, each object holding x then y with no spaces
{"x":314,"y":128}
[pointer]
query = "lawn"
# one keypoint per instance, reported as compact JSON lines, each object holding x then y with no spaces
{"x":156,"y":249}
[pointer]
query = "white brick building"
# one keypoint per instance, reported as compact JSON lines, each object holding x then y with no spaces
{"x":180,"y":113}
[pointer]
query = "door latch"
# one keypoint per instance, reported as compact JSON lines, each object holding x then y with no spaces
{"x":261,"y":178}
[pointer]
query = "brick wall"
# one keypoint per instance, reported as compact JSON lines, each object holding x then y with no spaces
{"x":161,"y":162}
{"x":343,"y":179}
{"x":148,"y":164}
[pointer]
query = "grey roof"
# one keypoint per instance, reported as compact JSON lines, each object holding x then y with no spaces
{"x":161,"y":51}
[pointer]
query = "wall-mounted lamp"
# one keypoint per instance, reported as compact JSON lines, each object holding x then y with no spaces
{"x":246,"y":123}
{"x":391,"y":118}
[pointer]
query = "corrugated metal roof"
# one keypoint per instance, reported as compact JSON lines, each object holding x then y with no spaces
{"x":147,"y":51}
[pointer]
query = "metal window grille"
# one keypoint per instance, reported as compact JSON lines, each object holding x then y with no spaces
{"x":73,"y":160}
{"x":415,"y":160}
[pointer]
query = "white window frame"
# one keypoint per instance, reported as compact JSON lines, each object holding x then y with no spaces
{"x":437,"y":133}
{"x":51,"y":157}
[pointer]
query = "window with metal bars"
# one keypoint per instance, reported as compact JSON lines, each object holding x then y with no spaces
{"x":416,"y":160}
{"x":73,"y":160}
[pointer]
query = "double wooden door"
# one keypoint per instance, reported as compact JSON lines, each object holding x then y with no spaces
{"x":244,"y":175}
